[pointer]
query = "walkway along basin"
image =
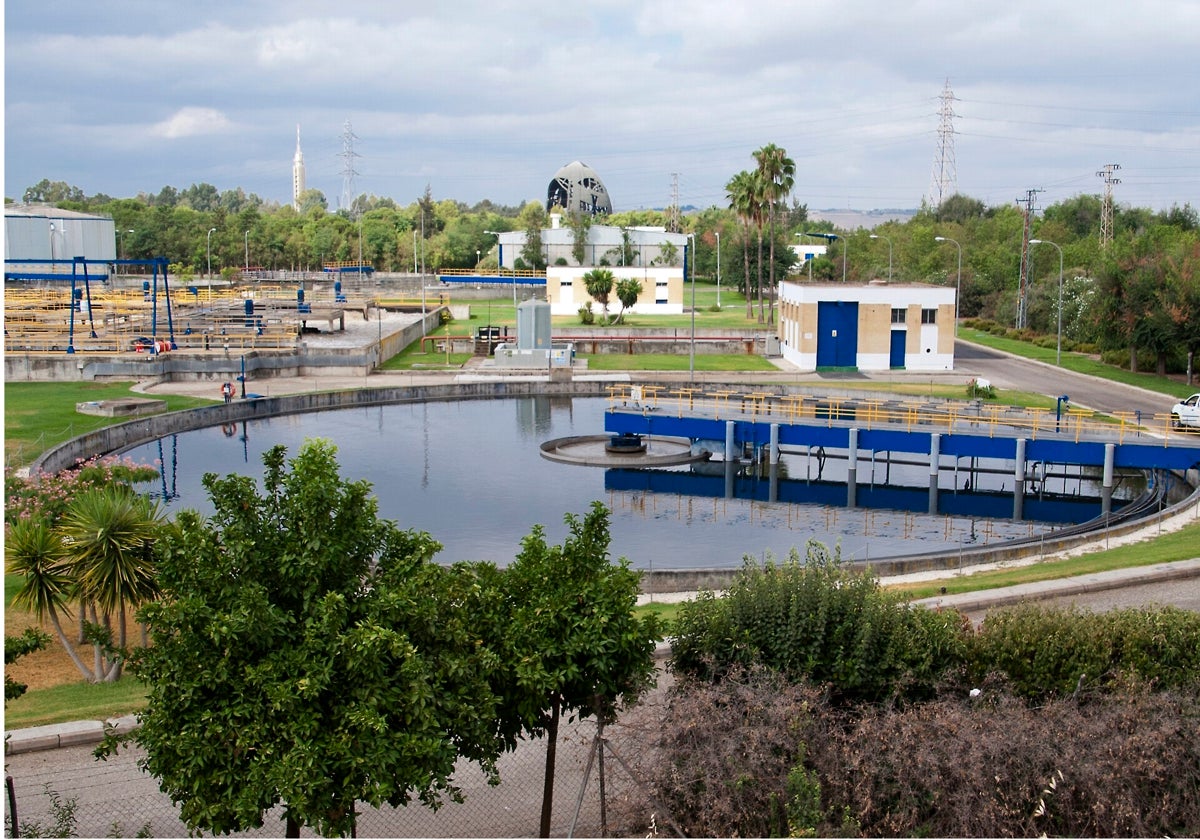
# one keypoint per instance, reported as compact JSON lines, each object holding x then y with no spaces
{"x":644,"y":515}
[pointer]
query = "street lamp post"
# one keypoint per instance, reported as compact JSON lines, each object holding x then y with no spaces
{"x":208,"y":248}
{"x":120,"y":256}
{"x":1058,"y":346}
{"x":718,"y":234}
{"x":500,"y":264}
{"x":889,"y":242}
{"x":246,"y":237}
{"x":692,"y":267}
{"x":958,"y":283}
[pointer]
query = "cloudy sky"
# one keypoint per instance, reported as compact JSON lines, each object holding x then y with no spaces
{"x":488,"y":99}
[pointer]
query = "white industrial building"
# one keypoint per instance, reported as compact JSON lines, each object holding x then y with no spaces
{"x":54,"y":238}
{"x":876,"y":327}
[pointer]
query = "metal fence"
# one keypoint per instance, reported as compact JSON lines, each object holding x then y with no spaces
{"x":114,"y":798}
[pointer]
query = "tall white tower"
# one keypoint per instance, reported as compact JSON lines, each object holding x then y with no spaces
{"x":297,"y":172}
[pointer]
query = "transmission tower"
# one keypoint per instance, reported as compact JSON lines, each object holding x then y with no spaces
{"x":348,"y":172}
{"x":945,"y":173}
{"x":1023,"y":286}
{"x":673,"y":212}
{"x":1106,"y":210}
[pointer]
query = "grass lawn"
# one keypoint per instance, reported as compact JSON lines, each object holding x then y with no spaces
{"x":663,"y":361}
{"x":40,"y":415}
{"x":75,"y":701}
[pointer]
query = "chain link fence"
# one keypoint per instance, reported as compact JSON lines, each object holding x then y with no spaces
{"x":114,"y":798}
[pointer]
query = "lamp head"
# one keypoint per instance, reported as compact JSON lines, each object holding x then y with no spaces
{"x":939,"y":239}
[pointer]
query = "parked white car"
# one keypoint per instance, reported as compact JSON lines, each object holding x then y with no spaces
{"x":1186,"y":413}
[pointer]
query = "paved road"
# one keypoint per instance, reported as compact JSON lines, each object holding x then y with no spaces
{"x":1184,"y":594}
{"x":1015,"y":373}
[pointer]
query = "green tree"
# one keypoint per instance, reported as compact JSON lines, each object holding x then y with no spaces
{"x":34,"y":552}
{"x":533,"y":220}
{"x":107,"y":536}
{"x":628,"y":289}
{"x":14,"y":648}
{"x":777,"y":172}
{"x":743,"y":192}
{"x":668,"y":254}
{"x":599,"y":284}
{"x":46,"y":191}
{"x":577,"y":646}
{"x":308,"y":653}
{"x":580,"y":225}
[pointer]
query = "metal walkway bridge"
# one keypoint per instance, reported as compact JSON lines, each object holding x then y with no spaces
{"x":736,"y":422}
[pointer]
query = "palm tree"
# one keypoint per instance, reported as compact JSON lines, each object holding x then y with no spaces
{"x":35,"y":552}
{"x":107,"y":535}
{"x":777,"y":172}
{"x":742,"y":190}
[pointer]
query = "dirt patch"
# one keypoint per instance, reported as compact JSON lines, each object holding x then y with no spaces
{"x":51,"y":666}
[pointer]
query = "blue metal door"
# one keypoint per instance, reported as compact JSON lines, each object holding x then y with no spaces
{"x":837,"y":334}
{"x":899,"y":341}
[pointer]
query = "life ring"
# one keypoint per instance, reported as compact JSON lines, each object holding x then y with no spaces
{"x":229,"y":429}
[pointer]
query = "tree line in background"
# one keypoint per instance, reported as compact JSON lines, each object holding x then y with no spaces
{"x":1138,"y":296}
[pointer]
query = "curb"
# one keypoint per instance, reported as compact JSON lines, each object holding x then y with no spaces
{"x":76,"y":733}
{"x":1064,"y":587}
{"x":71,"y":734}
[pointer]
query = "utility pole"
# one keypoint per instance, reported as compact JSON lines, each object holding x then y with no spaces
{"x":673,"y":213}
{"x":1106,"y":210}
{"x":945,"y":172}
{"x":1023,"y":282}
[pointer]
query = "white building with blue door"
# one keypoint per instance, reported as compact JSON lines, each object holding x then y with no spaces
{"x":874,"y":327}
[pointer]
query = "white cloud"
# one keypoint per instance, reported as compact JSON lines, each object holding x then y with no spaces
{"x":192,"y":122}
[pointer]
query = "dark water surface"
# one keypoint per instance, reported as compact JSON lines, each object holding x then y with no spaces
{"x":471,"y":474}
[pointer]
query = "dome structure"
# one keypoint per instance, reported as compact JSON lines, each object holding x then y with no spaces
{"x":578,"y":189}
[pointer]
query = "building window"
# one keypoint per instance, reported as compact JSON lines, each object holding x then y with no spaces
{"x":564,"y":282}
{"x":928,"y":316}
{"x":899,"y":316}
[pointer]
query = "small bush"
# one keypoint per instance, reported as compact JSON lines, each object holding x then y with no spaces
{"x":586,"y":316}
{"x":819,"y":621}
{"x":980,"y":390}
{"x":1118,"y":766}
{"x":758,"y":756}
{"x":728,"y":754}
{"x":1048,"y":652}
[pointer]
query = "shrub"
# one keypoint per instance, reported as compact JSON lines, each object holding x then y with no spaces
{"x":981,"y":389}
{"x":586,"y":316}
{"x":727,"y":752}
{"x":1118,"y":766}
{"x":756,"y":755}
{"x":1045,"y":651}
{"x":819,"y":621}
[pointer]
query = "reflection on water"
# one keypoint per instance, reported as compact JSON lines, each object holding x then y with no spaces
{"x":471,"y":474}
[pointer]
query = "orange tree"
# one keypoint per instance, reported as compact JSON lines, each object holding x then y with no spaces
{"x":308,"y":653}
